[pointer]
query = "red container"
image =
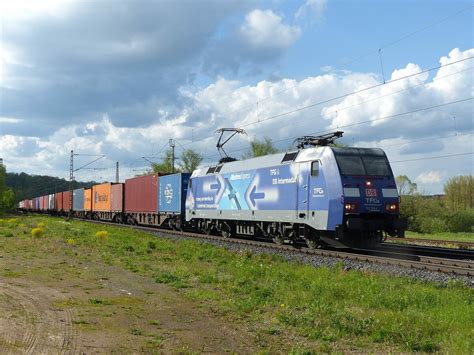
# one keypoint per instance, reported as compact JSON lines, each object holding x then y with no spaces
{"x":66,"y":200}
{"x":141,"y":194}
{"x":45,"y":202}
{"x":41,"y":203}
{"x":58,"y":201}
{"x":117,"y":197}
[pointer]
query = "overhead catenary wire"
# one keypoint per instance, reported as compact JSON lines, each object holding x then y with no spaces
{"x":433,"y":157}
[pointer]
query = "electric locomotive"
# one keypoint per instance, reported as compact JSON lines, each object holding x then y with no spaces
{"x":324,"y":195}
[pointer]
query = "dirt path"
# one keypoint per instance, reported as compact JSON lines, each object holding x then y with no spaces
{"x":53,"y":304}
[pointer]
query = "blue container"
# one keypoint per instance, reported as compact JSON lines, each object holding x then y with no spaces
{"x":37,"y":203}
{"x":172,"y":192}
{"x":78,"y":200}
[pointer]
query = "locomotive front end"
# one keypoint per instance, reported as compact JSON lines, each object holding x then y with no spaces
{"x":371,"y":204}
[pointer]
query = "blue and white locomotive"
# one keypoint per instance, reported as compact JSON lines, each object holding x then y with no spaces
{"x":323,"y":195}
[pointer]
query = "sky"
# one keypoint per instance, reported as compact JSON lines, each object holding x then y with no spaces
{"x":119,"y":78}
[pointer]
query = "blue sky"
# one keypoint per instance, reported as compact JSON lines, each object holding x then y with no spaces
{"x":121,"y":77}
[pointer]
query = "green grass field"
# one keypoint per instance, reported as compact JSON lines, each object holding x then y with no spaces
{"x":458,"y":237}
{"x":311,"y":309}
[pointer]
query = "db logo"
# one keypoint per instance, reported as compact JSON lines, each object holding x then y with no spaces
{"x":168,"y":193}
{"x":371,"y":192}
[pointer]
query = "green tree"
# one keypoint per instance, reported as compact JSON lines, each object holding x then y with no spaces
{"x":259,"y":148}
{"x":7,"y":196}
{"x":190,"y":160}
{"x":459,"y":192}
{"x":166,"y":164}
{"x":405,"y":185}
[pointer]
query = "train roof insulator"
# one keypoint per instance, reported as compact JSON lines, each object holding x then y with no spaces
{"x":317,"y":141}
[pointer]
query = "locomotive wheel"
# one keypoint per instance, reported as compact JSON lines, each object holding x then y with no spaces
{"x":278,"y":238}
{"x":226,"y":231}
{"x":311,"y":243}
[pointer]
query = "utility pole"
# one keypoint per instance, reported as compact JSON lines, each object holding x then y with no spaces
{"x":117,"y":172}
{"x":172,"y":145}
{"x":71,"y":182}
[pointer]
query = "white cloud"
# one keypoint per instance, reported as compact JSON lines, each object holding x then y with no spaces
{"x":229,"y":103}
{"x":313,"y":8}
{"x":264,"y":28}
{"x":430,"y":177}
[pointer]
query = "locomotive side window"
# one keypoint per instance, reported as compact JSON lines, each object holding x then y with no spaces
{"x":315,"y":168}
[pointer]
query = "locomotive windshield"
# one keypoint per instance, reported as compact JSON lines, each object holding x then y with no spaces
{"x":362,"y":161}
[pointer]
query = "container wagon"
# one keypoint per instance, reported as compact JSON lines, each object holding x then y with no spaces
{"x":171,"y":199}
{"x":107,"y":202}
{"x":141,"y":200}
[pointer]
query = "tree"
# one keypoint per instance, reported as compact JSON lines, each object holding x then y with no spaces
{"x":166,"y":165}
{"x":190,"y":160}
{"x":7,"y":196}
{"x":405,"y":185}
{"x":260,"y":147}
{"x":459,"y":192}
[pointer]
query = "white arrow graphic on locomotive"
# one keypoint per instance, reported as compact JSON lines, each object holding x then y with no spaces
{"x":256,"y":193}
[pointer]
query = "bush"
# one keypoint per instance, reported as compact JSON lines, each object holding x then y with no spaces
{"x":431,"y":225}
{"x":462,"y":221}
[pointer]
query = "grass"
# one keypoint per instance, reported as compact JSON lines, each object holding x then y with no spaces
{"x":329,"y":308}
{"x":458,"y":237}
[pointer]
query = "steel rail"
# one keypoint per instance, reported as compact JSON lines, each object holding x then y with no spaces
{"x":459,"y":244}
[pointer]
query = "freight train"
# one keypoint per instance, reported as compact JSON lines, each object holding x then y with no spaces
{"x":322,"y":195}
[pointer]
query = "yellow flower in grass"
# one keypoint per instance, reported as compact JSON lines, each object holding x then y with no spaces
{"x":102,"y":234}
{"x":36,"y":232}
{"x":71,"y":242}
{"x":41,"y":225}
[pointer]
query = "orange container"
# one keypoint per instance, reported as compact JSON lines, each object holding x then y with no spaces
{"x":101,"y":197}
{"x":87,"y":199}
{"x":107,"y":197}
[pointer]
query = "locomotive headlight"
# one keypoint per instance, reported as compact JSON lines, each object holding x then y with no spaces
{"x":350,"y":207}
{"x":368,"y":183}
{"x":392,"y":207}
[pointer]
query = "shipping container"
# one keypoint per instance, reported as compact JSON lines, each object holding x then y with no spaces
{"x":36,"y":203}
{"x":172,"y":192}
{"x":78,"y":200}
{"x":30,"y":204}
{"x":41,"y":203}
{"x":141,"y":194}
{"x":45,"y":202}
{"x":51,"y":202}
{"x":117,"y":197}
{"x":107,"y":198}
{"x":58,"y":201}
{"x":87,"y":199}
{"x":66,"y":200}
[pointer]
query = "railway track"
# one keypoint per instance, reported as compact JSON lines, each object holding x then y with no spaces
{"x":458,"y":244}
{"x":452,"y":261}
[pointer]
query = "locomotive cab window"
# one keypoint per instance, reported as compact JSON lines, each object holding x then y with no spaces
{"x":315,"y":168}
